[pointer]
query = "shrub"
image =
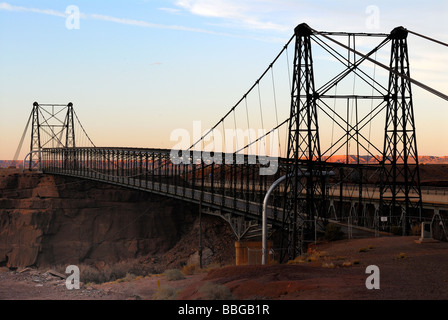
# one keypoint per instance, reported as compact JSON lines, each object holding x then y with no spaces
{"x":89,"y":274}
{"x":416,"y":230}
{"x":362,"y":249}
{"x":141,"y":269}
{"x":173,"y":275}
{"x":59,"y":268}
{"x":189,"y":269}
{"x":212,"y":266}
{"x":402,"y":255}
{"x":396,"y":230}
{"x":329,"y":265}
{"x":333,"y":232}
{"x":213,"y":291}
{"x":298,"y":259}
{"x":122,"y":271}
{"x":129,"y":277}
{"x":273,"y":262}
{"x":118,"y":270}
{"x":165,"y":293}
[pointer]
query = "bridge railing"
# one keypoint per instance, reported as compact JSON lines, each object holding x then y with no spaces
{"x":229,"y":183}
{"x":232,"y":183}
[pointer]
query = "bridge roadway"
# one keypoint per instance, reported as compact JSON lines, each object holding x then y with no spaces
{"x":433,"y":198}
{"x":249,"y":209}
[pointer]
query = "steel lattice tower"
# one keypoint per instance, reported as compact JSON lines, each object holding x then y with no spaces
{"x":42,"y":126}
{"x":35,"y":133}
{"x":303,"y":145}
{"x":400,"y":191}
{"x":69,"y":127}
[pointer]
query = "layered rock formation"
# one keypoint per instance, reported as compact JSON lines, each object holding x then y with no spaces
{"x":51,"y":220}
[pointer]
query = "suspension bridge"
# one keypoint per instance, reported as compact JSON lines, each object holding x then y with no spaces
{"x":288,"y":177}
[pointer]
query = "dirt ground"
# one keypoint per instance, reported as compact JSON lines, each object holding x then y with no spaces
{"x":330,"y":271}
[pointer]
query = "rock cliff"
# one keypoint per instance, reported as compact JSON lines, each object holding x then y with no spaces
{"x":51,"y":220}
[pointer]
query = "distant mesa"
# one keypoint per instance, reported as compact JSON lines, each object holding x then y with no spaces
{"x":371,"y":159}
{"x":336,"y":159}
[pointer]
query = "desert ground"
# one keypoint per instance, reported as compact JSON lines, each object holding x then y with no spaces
{"x":329,"y":271}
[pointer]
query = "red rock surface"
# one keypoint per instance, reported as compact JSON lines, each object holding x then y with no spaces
{"x":48,"y":220}
{"x":408,"y":271}
{"x":51,"y":220}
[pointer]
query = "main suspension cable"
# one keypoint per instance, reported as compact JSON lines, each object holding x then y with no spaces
{"x":83,"y":128}
{"x":244,"y":96}
{"x":19,"y":147}
{"x":418,"y":83}
{"x":428,"y":38}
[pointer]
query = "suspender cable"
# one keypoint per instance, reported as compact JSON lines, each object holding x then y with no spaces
{"x":224,"y":137}
{"x":244,"y":96}
{"x":275,"y":106}
{"x":248,"y":125}
{"x":263,"y":136}
{"x":261,"y":116}
{"x":79,"y":122}
{"x":236,"y":131}
{"x":332,"y":118}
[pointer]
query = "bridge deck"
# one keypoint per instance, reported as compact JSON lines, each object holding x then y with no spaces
{"x":432,"y":198}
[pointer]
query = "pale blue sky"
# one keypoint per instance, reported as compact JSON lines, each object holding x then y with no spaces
{"x":137,"y":70}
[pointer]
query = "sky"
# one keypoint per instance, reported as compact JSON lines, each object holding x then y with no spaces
{"x":137,"y":70}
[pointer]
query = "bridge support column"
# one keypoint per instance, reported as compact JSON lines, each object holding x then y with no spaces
{"x":42,"y":124}
{"x":303,"y":147}
{"x":35,"y":133}
{"x":250,"y":253}
{"x":400,"y":179}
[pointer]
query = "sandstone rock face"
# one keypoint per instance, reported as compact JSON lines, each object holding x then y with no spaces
{"x":50,"y":220}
